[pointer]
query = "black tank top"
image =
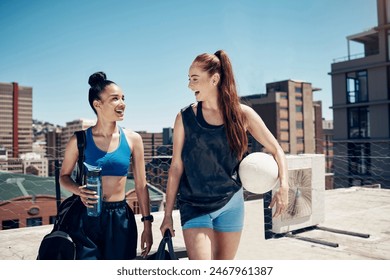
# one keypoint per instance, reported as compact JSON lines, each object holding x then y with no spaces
{"x":201,"y":120}
{"x":210,"y":176}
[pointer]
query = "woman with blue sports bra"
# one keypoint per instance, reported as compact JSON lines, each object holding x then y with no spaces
{"x":113,"y":234}
{"x":209,"y":141}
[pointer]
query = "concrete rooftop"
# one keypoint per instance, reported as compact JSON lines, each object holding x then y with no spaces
{"x":358,"y":210}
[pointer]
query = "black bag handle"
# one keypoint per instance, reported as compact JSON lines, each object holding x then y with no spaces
{"x":167,"y":240}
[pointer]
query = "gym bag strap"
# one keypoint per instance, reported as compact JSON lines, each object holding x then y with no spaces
{"x":81,"y":143}
{"x":58,"y":245}
{"x":162,"y":253}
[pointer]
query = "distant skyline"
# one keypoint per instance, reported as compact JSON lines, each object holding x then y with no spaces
{"x":146,"y":47}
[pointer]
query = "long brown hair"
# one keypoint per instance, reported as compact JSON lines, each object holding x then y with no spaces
{"x":233,"y":117}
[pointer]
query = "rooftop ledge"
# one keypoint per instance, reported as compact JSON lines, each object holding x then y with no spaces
{"x":364,"y":212}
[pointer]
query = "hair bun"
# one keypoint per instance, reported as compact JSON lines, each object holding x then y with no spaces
{"x":96,"y":78}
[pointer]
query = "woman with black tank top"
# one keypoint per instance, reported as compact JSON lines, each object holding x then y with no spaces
{"x":113,"y":234}
{"x":208,"y":144}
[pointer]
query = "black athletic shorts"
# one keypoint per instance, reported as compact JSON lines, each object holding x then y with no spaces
{"x":111,"y":236}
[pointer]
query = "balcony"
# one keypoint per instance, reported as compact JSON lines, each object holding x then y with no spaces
{"x":370,"y":41}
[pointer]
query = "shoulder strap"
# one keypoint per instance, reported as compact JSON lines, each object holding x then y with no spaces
{"x":68,"y":204}
{"x":81,"y":143}
{"x":188,"y":107}
{"x":189,"y":120}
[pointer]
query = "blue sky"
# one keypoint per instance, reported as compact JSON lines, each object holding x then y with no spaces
{"x":146,"y":47}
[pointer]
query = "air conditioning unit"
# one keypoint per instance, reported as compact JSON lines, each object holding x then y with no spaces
{"x":306,"y":205}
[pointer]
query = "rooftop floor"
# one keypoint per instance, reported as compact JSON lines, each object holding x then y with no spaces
{"x":357,"y":210}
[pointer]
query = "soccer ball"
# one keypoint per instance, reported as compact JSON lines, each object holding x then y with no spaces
{"x":258,"y":173}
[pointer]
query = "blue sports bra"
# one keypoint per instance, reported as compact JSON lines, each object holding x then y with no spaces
{"x":115,"y":163}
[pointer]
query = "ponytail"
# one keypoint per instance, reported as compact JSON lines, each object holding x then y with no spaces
{"x":233,"y":117}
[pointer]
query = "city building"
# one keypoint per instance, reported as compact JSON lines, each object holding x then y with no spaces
{"x":361,"y":107}
{"x":53,"y":143}
{"x":327,"y":128}
{"x":14,"y":165}
{"x":70,"y":128}
{"x":27,"y":200}
{"x":53,"y":148}
{"x":35,"y":164}
{"x":16,"y":123}
{"x":291,"y":115}
{"x":151,"y":142}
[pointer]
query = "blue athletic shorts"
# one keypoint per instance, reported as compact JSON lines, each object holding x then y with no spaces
{"x":229,"y":218}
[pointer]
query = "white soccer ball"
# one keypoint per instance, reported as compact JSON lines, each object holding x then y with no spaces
{"x":259,"y":173}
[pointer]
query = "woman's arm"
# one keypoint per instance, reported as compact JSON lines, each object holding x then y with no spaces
{"x":66,"y":181}
{"x":141,"y":189}
{"x":138,"y":164}
{"x":261,"y":133}
{"x":174,"y":176}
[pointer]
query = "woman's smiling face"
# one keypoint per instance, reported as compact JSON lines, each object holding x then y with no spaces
{"x":199,"y":82}
{"x":112,"y":102}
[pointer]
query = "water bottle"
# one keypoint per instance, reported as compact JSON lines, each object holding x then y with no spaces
{"x":94,"y":183}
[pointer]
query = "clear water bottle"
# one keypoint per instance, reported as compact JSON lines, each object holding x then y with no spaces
{"x":94,"y":183}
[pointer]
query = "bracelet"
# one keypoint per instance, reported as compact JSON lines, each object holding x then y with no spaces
{"x":147,"y":218}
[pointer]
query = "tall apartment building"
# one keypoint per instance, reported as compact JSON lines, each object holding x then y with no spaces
{"x":16,"y":119}
{"x":361,"y":107}
{"x":291,"y":115}
{"x":15,"y":125}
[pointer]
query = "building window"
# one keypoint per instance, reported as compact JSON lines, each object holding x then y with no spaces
{"x":359,"y":157}
{"x":9,"y":224}
{"x":357,"y":87}
{"x":33,"y":222}
{"x":298,"y":89}
{"x":299,"y":124}
{"x":299,"y":108}
{"x":283,"y":96}
{"x":359,"y":124}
